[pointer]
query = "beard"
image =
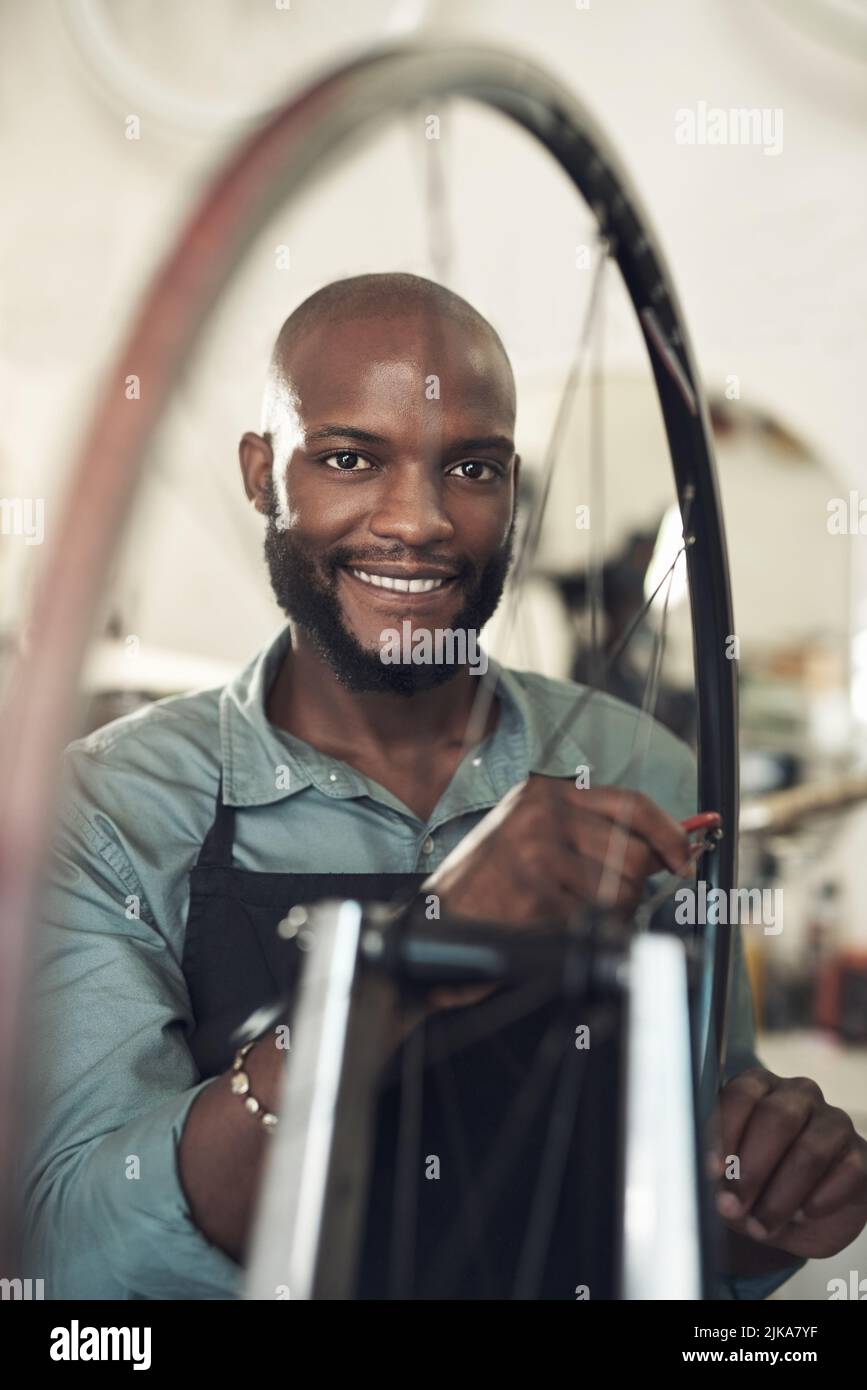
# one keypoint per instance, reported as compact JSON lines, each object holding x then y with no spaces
{"x":307,"y":592}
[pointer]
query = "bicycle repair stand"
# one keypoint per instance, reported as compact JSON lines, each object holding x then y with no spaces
{"x":357,"y":961}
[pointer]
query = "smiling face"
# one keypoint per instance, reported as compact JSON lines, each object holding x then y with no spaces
{"x":392,"y":490}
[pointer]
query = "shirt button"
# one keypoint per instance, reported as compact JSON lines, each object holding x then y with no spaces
{"x":427,"y":847}
{"x":332,"y":776}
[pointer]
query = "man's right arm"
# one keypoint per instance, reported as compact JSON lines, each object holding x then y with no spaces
{"x":112,"y":1085}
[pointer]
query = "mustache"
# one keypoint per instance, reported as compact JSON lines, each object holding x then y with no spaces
{"x":341,"y":557}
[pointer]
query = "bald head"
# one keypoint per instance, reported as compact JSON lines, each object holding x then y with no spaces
{"x":387,"y":298}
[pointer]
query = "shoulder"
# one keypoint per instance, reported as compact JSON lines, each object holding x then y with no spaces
{"x":621,"y":745}
{"x":145,"y":762}
{"x":173,"y":729}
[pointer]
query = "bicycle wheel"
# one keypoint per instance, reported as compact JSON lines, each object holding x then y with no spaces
{"x":275,"y":166}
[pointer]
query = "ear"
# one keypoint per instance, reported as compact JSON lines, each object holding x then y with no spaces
{"x":516,"y":476}
{"x":257,"y":461}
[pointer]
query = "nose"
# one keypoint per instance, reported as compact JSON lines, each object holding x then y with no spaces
{"x":410,"y":508}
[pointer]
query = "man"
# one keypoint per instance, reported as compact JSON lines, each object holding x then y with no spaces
{"x":387,"y":471}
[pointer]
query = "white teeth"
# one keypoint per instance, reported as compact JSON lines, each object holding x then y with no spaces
{"x":404,"y":586}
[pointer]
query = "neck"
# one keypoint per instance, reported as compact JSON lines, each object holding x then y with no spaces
{"x":307,"y":700}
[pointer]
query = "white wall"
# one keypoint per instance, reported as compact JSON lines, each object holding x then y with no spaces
{"x":767,"y":251}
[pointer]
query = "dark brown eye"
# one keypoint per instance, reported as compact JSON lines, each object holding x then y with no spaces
{"x":478,"y":465}
{"x":345,"y":461}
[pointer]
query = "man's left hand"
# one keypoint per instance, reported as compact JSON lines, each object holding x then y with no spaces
{"x":802,"y":1184}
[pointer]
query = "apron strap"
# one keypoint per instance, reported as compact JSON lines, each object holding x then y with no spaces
{"x":216,"y":851}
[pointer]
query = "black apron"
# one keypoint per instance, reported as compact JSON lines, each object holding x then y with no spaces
{"x":235,"y":962}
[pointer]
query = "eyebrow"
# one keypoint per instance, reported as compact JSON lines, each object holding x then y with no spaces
{"x":485,"y":441}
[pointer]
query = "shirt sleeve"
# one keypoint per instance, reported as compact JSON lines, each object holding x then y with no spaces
{"x":112,"y":1079}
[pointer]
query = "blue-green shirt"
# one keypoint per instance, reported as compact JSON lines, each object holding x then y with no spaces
{"x":105,"y":1214}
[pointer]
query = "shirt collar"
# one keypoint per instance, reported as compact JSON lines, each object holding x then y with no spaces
{"x":263,"y":764}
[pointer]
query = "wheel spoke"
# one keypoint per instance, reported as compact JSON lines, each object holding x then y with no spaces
{"x":529,"y":542}
{"x":497,"y":1163}
{"x":475,"y":1227}
{"x":405,"y":1206}
{"x":552,"y":1166}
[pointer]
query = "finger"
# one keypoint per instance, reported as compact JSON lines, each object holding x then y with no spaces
{"x":574,"y":879}
{"x":814,"y":1153}
{"x":845,"y":1182}
{"x":639,"y":815}
{"x":595,"y":874}
{"x":536,"y":875}
{"x":629,"y":856}
{"x":596,"y":838}
{"x":774,"y":1124}
{"x":737,"y":1101}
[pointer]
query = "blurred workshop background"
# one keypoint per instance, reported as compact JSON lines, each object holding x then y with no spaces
{"x":766,"y":246}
